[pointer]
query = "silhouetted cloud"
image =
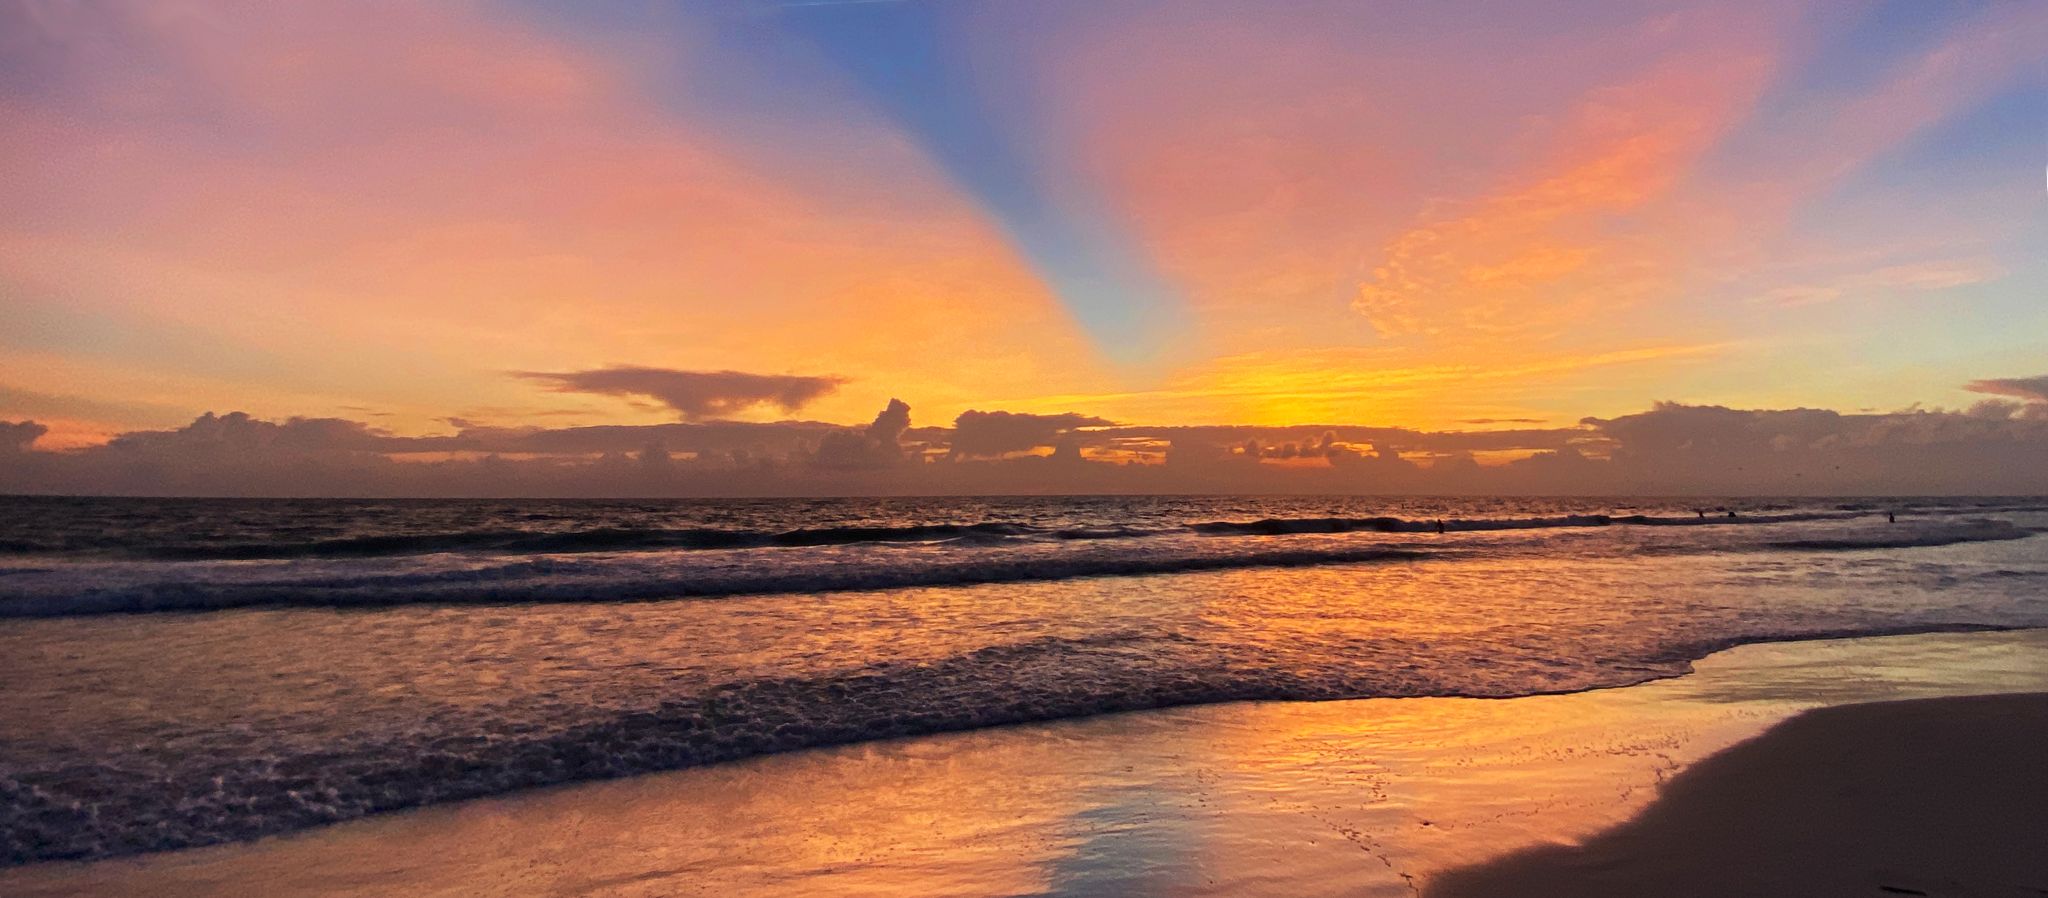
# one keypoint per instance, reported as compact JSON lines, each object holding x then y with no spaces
{"x":18,"y":436}
{"x":694,"y":395}
{"x":1670,"y":449}
{"x":879,"y":445}
{"x":777,"y":438}
{"x":2027,"y":389}
{"x":238,"y":432}
{"x":988,"y":434}
{"x":1681,"y":448}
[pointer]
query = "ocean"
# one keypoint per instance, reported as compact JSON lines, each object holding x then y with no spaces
{"x":186,"y":672}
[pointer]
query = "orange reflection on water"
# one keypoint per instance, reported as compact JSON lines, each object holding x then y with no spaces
{"x":1365,"y":797}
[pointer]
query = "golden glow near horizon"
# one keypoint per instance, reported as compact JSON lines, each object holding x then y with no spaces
{"x":1328,"y":214}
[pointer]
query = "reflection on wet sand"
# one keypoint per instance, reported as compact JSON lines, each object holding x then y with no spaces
{"x":1363,"y":797}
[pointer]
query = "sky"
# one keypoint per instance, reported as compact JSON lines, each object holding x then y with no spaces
{"x":715,"y":245}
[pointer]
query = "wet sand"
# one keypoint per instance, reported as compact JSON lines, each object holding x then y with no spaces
{"x":1377,"y":797}
{"x":1944,"y":797}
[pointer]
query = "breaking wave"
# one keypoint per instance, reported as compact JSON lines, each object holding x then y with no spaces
{"x":514,"y":541}
{"x":826,"y":567}
{"x":1287,"y":526}
{"x":548,"y":579}
{"x":88,"y":810}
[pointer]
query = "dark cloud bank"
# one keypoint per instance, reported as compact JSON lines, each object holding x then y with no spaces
{"x":1999,"y":446}
{"x":2030,"y":389}
{"x":695,"y":395}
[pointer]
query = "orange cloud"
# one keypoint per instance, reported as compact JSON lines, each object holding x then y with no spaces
{"x":1542,"y":255}
{"x":303,"y":209}
{"x":694,"y":395}
{"x":1306,"y":167}
{"x":1916,"y":277}
{"x":401,"y":202}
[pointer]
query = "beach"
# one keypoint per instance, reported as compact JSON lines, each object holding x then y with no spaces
{"x":1926,"y":797}
{"x":1365,"y":797}
{"x":1242,"y":696}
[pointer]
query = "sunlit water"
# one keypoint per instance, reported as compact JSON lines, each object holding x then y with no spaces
{"x":1370,"y":798}
{"x":361,"y":657}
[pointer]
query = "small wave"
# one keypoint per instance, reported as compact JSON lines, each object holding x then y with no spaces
{"x":526,"y":542}
{"x":966,"y":559}
{"x":554,"y":580}
{"x":1289,"y":526}
{"x":1987,"y":531}
{"x":511,"y":541}
{"x":1088,"y":533}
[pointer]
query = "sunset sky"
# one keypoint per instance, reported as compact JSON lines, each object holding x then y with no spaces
{"x":425,"y":218}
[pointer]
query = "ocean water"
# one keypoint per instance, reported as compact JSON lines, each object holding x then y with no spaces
{"x":184,"y":672}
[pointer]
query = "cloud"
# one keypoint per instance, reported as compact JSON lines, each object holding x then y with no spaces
{"x":990,"y":434}
{"x":1925,"y":277}
{"x":387,"y":136}
{"x":694,"y":395}
{"x":877,"y":446}
{"x":20,"y":436}
{"x":1669,"y":449}
{"x":1542,"y":253}
{"x":2028,"y":389}
{"x":772,"y":438}
{"x":237,"y":432}
{"x":1937,"y":275}
{"x":1694,"y":449}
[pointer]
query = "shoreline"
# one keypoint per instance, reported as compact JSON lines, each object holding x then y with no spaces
{"x":1675,"y":664}
{"x":1941,"y":796}
{"x":1412,"y":786}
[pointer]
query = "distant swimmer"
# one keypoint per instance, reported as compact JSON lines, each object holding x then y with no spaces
{"x":1891,"y":517}
{"x":1731,"y":514}
{"x":1439,"y":525}
{"x":1701,"y":512}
